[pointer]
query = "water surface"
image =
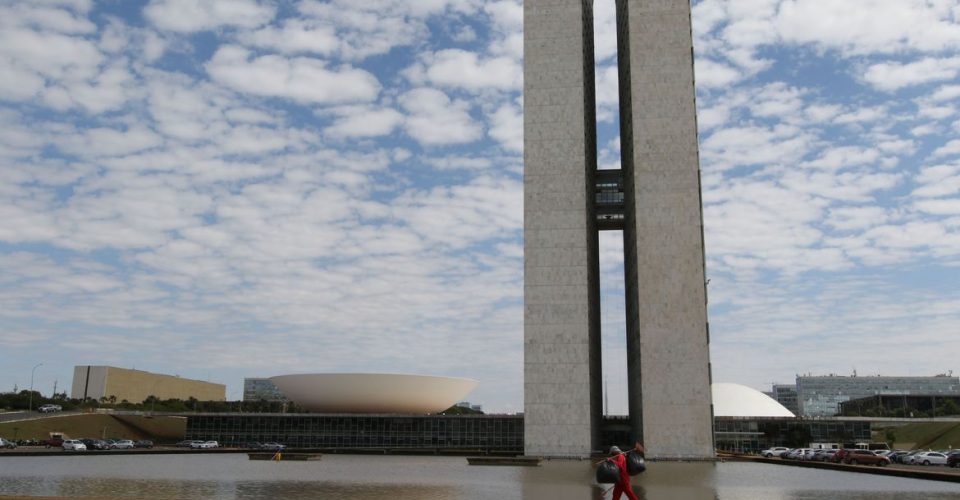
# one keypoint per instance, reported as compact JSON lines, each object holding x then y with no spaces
{"x":223,"y":477}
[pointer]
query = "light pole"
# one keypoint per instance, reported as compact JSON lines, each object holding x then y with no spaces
{"x":30,"y":405}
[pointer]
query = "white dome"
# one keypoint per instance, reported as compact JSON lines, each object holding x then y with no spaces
{"x":373,"y":392}
{"x":735,"y":400}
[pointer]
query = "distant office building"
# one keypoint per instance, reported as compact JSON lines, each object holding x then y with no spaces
{"x":467,"y":405}
{"x":786,"y":394}
{"x":261,"y":389}
{"x":820,"y":396}
{"x":121,"y":384}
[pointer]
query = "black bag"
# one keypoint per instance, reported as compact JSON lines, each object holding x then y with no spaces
{"x":608,"y":472}
{"x":635,"y":463}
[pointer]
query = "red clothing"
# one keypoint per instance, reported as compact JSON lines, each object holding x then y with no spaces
{"x":623,"y":485}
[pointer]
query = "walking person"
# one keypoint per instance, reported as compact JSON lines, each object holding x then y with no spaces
{"x":622,"y":486}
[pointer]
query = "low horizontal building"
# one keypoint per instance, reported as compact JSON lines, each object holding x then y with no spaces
{"x":436,"y":433}
{"x":121,"y":384}
{"x":903,"y":406}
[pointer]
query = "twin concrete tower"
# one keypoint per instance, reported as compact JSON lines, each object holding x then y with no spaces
{"x":654,"y":199}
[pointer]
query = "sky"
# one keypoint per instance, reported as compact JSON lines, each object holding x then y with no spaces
{"x":246,"y":188}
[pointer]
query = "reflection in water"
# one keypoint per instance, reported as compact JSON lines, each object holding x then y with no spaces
{"x":223,"y":477}
{"x":686,"y":480}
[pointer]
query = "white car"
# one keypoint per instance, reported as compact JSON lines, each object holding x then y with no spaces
{"x":73,"y":445}
{"x":123,"y":444}
{"x":776,"y":451}
{"x":204,"y":444}
{"x":930,"y":458}
{"x":49,"y":408}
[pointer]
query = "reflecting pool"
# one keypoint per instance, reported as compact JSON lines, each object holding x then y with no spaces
{"x":437,"y":478}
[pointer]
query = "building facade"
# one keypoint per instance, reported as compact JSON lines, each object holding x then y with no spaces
{"x":437,"y":433}
{"x":262,"y":389}
{"x":821,"y":396}
{"x":121,"y":384}
{"x":786,"y":394}
{"x":654,"y":199}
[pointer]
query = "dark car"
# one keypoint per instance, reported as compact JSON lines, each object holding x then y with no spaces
{"x":953,"y":458}
{"x":865,"y":457}
{"x":54,"y":442}
{"x":95,"y":444}
{"x":143,"y":443}
{"x":895,"y":455}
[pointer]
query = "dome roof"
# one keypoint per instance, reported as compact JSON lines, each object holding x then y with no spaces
{"x":373,"y":392}
{"x":735,"y":400}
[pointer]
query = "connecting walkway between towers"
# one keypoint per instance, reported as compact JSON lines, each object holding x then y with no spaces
{"x":609,"y":200}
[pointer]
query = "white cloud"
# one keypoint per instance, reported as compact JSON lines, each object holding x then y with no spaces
{"x":856,"y":218}
{"x":295,"y":36}
{"x":99,"y":142}
{"x":506,"y":126}
{"x":714,"y":74}
{"x":436,"y":120}
{"x":189,"y":16}
{"x":946,"y":93}
{"x":859,"y":27}
{"x":949,"y":149}
{"x":301,"y":79}
{"x":892,"y":76}
{"x":365,"y":29}
{"x":843,"y":157}
{"x":464,"y":69}
{"x":364,"y":121}
{"x":740,"y":146}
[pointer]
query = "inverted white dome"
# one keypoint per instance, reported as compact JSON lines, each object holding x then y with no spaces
{"x":735,"y":400}
{"x":373,"y":392}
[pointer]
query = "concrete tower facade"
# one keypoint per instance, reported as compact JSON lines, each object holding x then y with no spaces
{"x":654,"y":199}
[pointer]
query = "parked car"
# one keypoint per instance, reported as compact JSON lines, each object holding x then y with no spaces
{"x":930,"y":458}
{"x":49,"y":408}
{"x":775,"y":451}
{"x":7,"y":444}
{"x":796,"y":454}
{"x":953,"y":458}
{"x":908,"y":457}
{"x":825,"y":455}
{"x":866,"y":457}
{"x":99,"y":444}
{"x":73,"y":445}
{"x":54,"y":442}
{"x":184,"y":444}
{"x":123,"y":444}
{"x":895,"y":455}
{"x":204,"y":444}
{"x":143,"y":443}
{"x":92,"y":444}
{"x":272,"y":446}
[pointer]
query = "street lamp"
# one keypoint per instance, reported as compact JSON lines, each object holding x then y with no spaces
{"x":30,"y":405}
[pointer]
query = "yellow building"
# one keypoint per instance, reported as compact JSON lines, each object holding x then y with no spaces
{"x":98,"y":382}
